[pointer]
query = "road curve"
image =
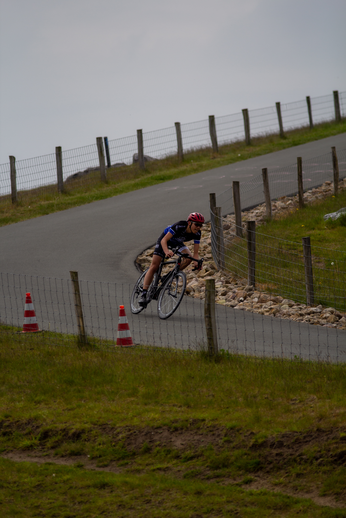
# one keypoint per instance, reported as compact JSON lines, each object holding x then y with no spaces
{"x":102,"y":239}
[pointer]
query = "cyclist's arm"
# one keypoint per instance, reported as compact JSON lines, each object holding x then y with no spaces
{"x":195,"y":250}
{"x":164,"y":244}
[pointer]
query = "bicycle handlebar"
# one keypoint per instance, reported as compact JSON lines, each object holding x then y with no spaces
{"x":188,"y":256}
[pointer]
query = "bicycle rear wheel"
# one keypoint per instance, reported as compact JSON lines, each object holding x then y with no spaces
{"x":137,"y":290}
{"x":171,"y":295}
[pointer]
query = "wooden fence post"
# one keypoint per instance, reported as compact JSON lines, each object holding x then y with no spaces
{"x":212,"y":132}
{"x":102,"y":162}
{"x":335,"y":171}
{"x":251,"y":250}
{"x":140,"y":149}
{"x":209,"y":317}
{"x":179,"y":141}
{"x":219,"y":238}
{"x":267,"y":193}
{"x":278,"y":111}
{"x":247,"y":126}
{"x":337,"y":106}
{"x":212,"y":202}
{"x":13,"y":180}
{"x":59,"y":171}
{"x":308,"y":102}
{"x":300,"y":183}
{"x":309,"y":283}
{"x":108,"y":157}
{"x":237,"y":209}
{"x":82,"y":337}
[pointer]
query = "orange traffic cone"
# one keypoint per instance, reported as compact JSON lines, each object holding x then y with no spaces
{"x":30,"y":323}
{"x":124,"y":335}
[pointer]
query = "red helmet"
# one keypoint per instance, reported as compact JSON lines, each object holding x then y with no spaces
{"x":196,"y":216}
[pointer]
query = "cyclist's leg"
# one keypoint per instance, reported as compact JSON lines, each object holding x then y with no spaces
{"x":155,"y":264}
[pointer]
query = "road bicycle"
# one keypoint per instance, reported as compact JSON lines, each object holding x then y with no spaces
{"x":167,"y":289}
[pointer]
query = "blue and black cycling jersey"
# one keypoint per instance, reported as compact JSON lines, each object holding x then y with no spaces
{"x":180,"y":236}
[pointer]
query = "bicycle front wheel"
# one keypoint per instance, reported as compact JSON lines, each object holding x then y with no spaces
{"x":171,"y":295}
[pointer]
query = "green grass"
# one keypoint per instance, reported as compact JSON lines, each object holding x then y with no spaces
{"x":42,"y":201}
{"x":280,"y":260}
{"x":175,"y":434}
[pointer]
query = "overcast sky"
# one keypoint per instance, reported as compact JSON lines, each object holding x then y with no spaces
{"x":72,"y":70}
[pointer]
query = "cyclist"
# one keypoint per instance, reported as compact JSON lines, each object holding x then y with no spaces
{"x":174,"y":236}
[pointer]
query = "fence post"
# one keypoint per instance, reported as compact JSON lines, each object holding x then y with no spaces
{"x":101,"y":154}
{"x":105,"y":139}
{"x":140,"y":149}
{"x":251,"y":250}
{"x":308,"y":102}
{"x":337,"y":106}
{"x":237,"y":209}
{"x":335,"y":171}
{"x":267,"y":193}
{"x":213,"y":232}
{"x":13,"y":179}
{"x":209,"y":317}
{"x":212,"y":132}
{"x":212,"y":202}
{"x":309,"y":283}
{"x":278,"y":110}
{"x":82,"y":337}
{"x":219,"y":238}
{"x":179,"y":141}
{"x":300,"y":183}
{"x":59,"y":172}
{"x":246,"y":126}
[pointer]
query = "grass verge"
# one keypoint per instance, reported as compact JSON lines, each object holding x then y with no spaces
{"x":173,"y":433}
{"x":280,"y":258}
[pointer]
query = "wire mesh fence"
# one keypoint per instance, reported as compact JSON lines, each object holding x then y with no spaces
{"x":239,"y":332}
{"x":83,"y":163}
{"x":280,"y":265}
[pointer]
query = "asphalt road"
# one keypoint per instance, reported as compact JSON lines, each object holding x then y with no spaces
{"x":102,"y":240}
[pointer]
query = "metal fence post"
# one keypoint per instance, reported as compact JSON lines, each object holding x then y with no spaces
{"x":13,"y":179}
{"x":309,"y":283}
{"x":251,"y":250}
{"x":212,"y":132}
{"x":209,"y":317}
{"x":278,"y":111}
{"x":59,"y":170}
{"x":247,"y":126}
{"x":140,"y":149}
{"x":101,"y":154}
{"x":179,"y":141}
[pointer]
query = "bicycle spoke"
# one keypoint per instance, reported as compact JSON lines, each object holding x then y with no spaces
{"x":171,"y":295}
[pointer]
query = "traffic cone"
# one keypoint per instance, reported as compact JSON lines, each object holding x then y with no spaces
{"x":30,"y":323}
{"x":124,"y":335}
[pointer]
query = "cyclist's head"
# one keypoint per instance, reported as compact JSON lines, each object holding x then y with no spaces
{"x":196,"y":217}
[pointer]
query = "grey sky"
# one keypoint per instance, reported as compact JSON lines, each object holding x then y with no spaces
{"x":72,"y":70}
